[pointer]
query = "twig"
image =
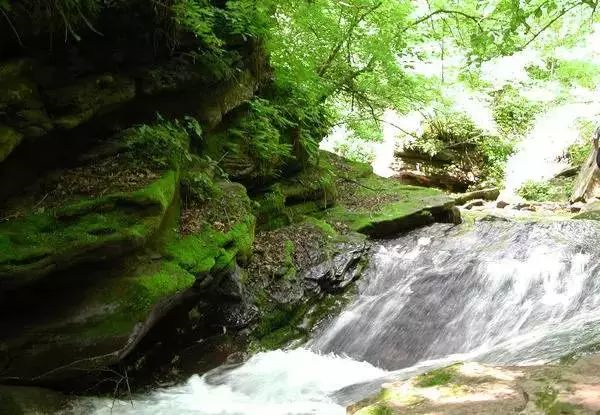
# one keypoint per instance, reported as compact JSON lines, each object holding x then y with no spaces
{"x":14,"y":29}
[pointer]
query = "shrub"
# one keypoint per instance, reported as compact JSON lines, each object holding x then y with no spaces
{"x":578,"y":153}
{"x":165,"y":143}
{"x":555,"y":190}
{"x":257,"y":136}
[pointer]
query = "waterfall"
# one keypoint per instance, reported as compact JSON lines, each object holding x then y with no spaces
{"x":493,"y":291}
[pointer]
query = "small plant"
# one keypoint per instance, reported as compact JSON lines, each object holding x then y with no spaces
{"x":380,"y":409}
{"x":578,"y":153}
{"x":538,"y":72}
{"x":165,"y":143}
{"x":555,"y":190}
{"x":437,"y":377}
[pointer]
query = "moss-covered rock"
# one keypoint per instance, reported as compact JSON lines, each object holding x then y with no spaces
{"x":9,"y":140}
{"x":113,"y":310}
{"x":92,"y":229}
{"x":16,"y":400}
{"x":472,"y":388}
{"x":381,"y":207}
{"x":21,"y":105}
{"x":79,"y":102}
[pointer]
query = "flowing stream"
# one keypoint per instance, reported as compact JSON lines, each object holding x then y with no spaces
{"x":493,"y":291}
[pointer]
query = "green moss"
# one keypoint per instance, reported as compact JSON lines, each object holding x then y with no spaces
{"x":408,"y":208}
{"x":132,"y":296}
{"x":78,"y":103}
{"x":18,"y":400}
{"x":279,"y":326}
{"x":378,"y":409}
{"x":315,"y":183}
{"x":83,"y":230}
{"x":438,"y":377}
{"x":270,"y":209}
{"x":211,"y":250}
{"x":289,"y":249}
{"x":9,"y":140}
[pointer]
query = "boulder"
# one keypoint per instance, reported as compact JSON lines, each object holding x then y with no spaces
{"x":17,"y":400}
{"x":442,"y":181}
{"x":485,"y":194}
{"x":569,"y":172}
{"x":501,"y":204}
{"x":576,"y":207}
{"x":84,"y":230}
{"x":91,"y":320}
{"x":473,"y":388}
{"x":380,"y":207}
{"x":335,"y":274}
{"x":473,"y":203}
{"x":9,"y":140}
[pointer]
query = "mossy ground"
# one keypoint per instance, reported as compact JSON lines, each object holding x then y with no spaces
{"x":437,"y":377}
{"x":377,"y":206}
{"x":44,"y":241}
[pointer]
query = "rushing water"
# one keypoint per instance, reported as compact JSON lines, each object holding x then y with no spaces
{"x":500,"y":292}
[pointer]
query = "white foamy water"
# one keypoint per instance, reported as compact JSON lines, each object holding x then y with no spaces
{"x":494,"y":292}
{"x":294,"y":382}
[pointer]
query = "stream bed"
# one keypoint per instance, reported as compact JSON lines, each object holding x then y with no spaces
{"x":498,"y":292}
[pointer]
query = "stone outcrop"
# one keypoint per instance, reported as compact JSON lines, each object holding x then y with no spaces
{"x":471,"y":388}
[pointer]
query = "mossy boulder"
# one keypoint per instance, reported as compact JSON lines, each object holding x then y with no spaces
{"x":215,"y":233}
{"x":93,"y":319}
{"x":472,"y":388}
{"x":18,"y":400}
{"x":21,"y":105}
{"x":380,"y":207}
{"x":591,"y":211}
{"x":93,"y":229}
{"x":9,"y":140}
{"x":79,"y":102}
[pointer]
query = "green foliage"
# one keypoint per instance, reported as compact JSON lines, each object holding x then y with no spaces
{"x":165,"y":144}
{"x":577,"y":72}
{"x":473,"y":80}
{"x":355,"y":150}
{"x":462,"y":149}
{"x":366,"y":129}
{"x":257,"y":135}
{"x":380,"y":409}
{"x":556,"y":190}
{"x":538,"y":73}
{"x":578,"y":153}
{"x":514,"y":114}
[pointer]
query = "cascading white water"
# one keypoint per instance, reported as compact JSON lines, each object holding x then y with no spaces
{"x":500,"y":292}
{"x":280,"y":382}
{"x":495,"y":291}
